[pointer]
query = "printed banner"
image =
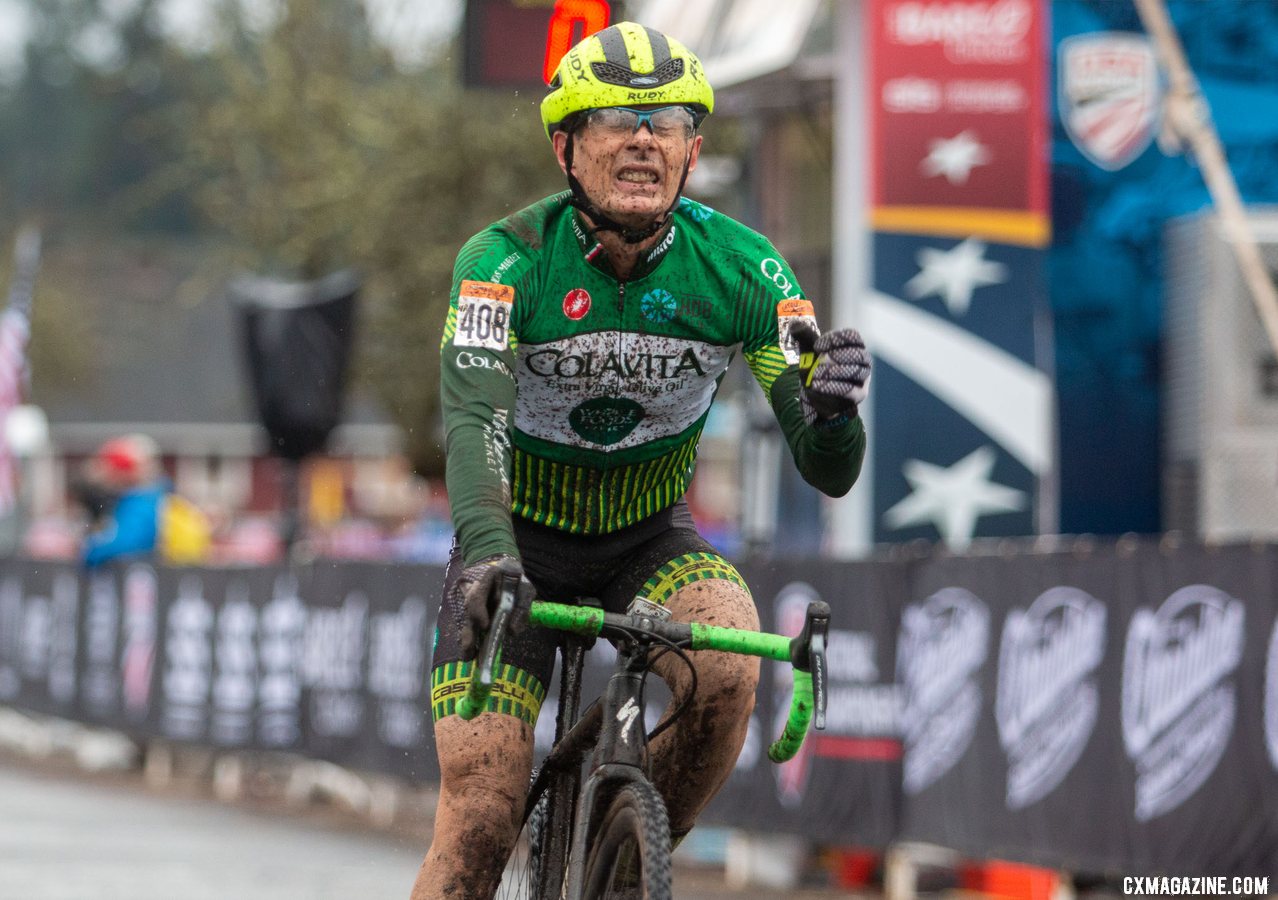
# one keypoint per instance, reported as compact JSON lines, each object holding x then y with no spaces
{"x":1109,"y":710}
{"x":964,"y":402}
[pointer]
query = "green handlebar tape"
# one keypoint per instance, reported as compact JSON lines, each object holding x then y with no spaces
{"x":732,"y":640}
{"x":800,"y":717}
{"x":584,"y":620}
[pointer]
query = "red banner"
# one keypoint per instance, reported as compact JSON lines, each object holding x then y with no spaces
{"x":958,"y":118}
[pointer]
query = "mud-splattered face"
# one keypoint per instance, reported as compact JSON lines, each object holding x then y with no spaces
{"x":634,"y":177}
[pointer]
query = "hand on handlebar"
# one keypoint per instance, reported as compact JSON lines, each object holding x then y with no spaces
{"x":478,"y":586}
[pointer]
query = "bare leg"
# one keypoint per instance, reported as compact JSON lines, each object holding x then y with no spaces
{"x":485,"y":766}
{"x":693,"y":758}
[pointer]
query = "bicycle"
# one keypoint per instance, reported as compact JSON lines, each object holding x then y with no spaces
{"x":608,"y":836}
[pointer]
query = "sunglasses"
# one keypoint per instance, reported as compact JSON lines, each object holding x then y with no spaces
{"x":666,"y":122}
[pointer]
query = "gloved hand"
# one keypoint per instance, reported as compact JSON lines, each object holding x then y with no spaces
{"x":479,"y":589}
{"x":835,"y":371}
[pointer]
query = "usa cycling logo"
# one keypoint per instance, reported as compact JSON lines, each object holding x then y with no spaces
{"x":577,"y":304}
{"x":658,"y":306}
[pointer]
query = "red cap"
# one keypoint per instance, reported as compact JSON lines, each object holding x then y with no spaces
{"x":126,"y":457}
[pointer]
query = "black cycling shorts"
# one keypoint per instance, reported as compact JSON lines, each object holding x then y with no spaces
{"x":653,"y":559}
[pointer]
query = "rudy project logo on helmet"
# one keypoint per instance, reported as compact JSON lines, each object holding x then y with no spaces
{"x":622,"y":65}
{"x":577,"y":304}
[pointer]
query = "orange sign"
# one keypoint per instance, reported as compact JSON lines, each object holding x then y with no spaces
{"x":564,"y":33}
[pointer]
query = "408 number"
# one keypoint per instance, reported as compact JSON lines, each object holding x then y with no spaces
{"x":484,"y":323}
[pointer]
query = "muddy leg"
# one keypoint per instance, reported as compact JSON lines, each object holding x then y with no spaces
{"x":693,"y":759}
{"x":485,"y":765}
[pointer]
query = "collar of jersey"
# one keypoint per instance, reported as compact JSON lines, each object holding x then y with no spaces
{"x":593,"y":252}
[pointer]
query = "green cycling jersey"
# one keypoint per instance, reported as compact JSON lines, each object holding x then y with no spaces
{"x":576,"y":399}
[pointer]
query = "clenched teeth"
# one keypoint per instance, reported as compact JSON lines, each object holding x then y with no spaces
{"x":638,"y":177}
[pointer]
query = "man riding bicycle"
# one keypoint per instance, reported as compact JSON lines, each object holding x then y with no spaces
{"x":586,"y":338}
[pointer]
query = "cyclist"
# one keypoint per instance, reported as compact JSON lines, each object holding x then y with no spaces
{"x":586,"y":337}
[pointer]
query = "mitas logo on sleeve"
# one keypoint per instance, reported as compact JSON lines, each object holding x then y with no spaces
{"x":483,"y":315}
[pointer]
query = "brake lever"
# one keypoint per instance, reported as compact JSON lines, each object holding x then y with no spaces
{"x":808,"y":653}
{"x":483,"y":677}
{"x":508,"y":587}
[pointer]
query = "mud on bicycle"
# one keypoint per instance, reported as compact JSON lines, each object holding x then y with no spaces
{"x":606,"y":835}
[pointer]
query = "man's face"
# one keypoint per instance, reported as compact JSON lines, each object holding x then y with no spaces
{"x":632,"y":176}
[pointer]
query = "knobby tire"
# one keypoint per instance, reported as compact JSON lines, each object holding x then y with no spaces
{"x":537,"y":864}
{"x":629,"y":857}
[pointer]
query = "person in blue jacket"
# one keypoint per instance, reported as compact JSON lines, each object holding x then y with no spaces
{"x":129,"y":468}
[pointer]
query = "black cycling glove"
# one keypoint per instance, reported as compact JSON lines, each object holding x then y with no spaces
{"x":478,"y":589}
{"x":835,"y":370}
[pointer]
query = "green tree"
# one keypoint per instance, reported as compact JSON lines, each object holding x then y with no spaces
{"x":313,"y":151}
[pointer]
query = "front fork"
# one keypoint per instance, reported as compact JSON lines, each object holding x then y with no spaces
{"x":620,"y":756}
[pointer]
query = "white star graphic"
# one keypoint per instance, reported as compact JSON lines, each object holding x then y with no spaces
{"x":954,"y":274}
{"x":955,"y":157}
{"x":954,"y":498}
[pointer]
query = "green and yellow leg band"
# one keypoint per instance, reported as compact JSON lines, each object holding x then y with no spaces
{"x":515,"y":692}
{"x":687,"y":569}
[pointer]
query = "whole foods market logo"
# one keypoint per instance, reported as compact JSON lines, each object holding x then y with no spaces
{"x":1047,"y":696}
{"x":942,"y":645}
{"x":1179,"y":701}
{"x":658,"y":306}
{"x":606,"y":420}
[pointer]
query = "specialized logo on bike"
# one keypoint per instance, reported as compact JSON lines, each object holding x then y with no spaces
{"x":942,"y":646}
{"x":1047,"y":697}
{"x":483,"y":315}
{"x":658,"y":306}
{"x":626,"y":716}
{"x":1179,"y":699}
{"x":577,"y":304}
{"x":606,"y":389}
{"x":606,"y":420}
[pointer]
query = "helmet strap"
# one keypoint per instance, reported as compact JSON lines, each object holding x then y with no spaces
{"x":604,"y":222}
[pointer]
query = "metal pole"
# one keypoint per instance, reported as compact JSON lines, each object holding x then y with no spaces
{"x":850,"y":523}
{"x":1189,"y":118}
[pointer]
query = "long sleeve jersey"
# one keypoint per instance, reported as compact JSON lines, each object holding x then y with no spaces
{"x":576,"y":399}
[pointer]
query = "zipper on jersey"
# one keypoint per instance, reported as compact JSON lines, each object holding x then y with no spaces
{"x":621,"y":320}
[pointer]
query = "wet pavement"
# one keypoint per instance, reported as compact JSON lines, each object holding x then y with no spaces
{"x":66,"y":835}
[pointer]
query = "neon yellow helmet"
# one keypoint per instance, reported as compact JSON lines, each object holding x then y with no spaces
{"x":625,"y":65}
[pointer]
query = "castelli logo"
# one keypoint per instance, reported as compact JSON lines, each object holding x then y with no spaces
{"x":576,"y":303}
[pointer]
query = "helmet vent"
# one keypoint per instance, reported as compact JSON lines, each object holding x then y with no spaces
{"x":610,"y":73}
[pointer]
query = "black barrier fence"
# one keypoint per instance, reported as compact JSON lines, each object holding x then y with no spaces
{"x":1107,"y":710}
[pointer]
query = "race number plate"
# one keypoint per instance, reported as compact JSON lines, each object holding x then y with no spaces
{"x":483,"y":315}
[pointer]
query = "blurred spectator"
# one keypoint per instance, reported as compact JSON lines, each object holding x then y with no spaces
{"x":137,"y":513}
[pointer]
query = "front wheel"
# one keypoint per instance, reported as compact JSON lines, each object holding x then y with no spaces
{"x":629,"y":858}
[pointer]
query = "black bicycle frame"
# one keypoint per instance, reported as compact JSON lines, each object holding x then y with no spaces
{"x":620,"y":753}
